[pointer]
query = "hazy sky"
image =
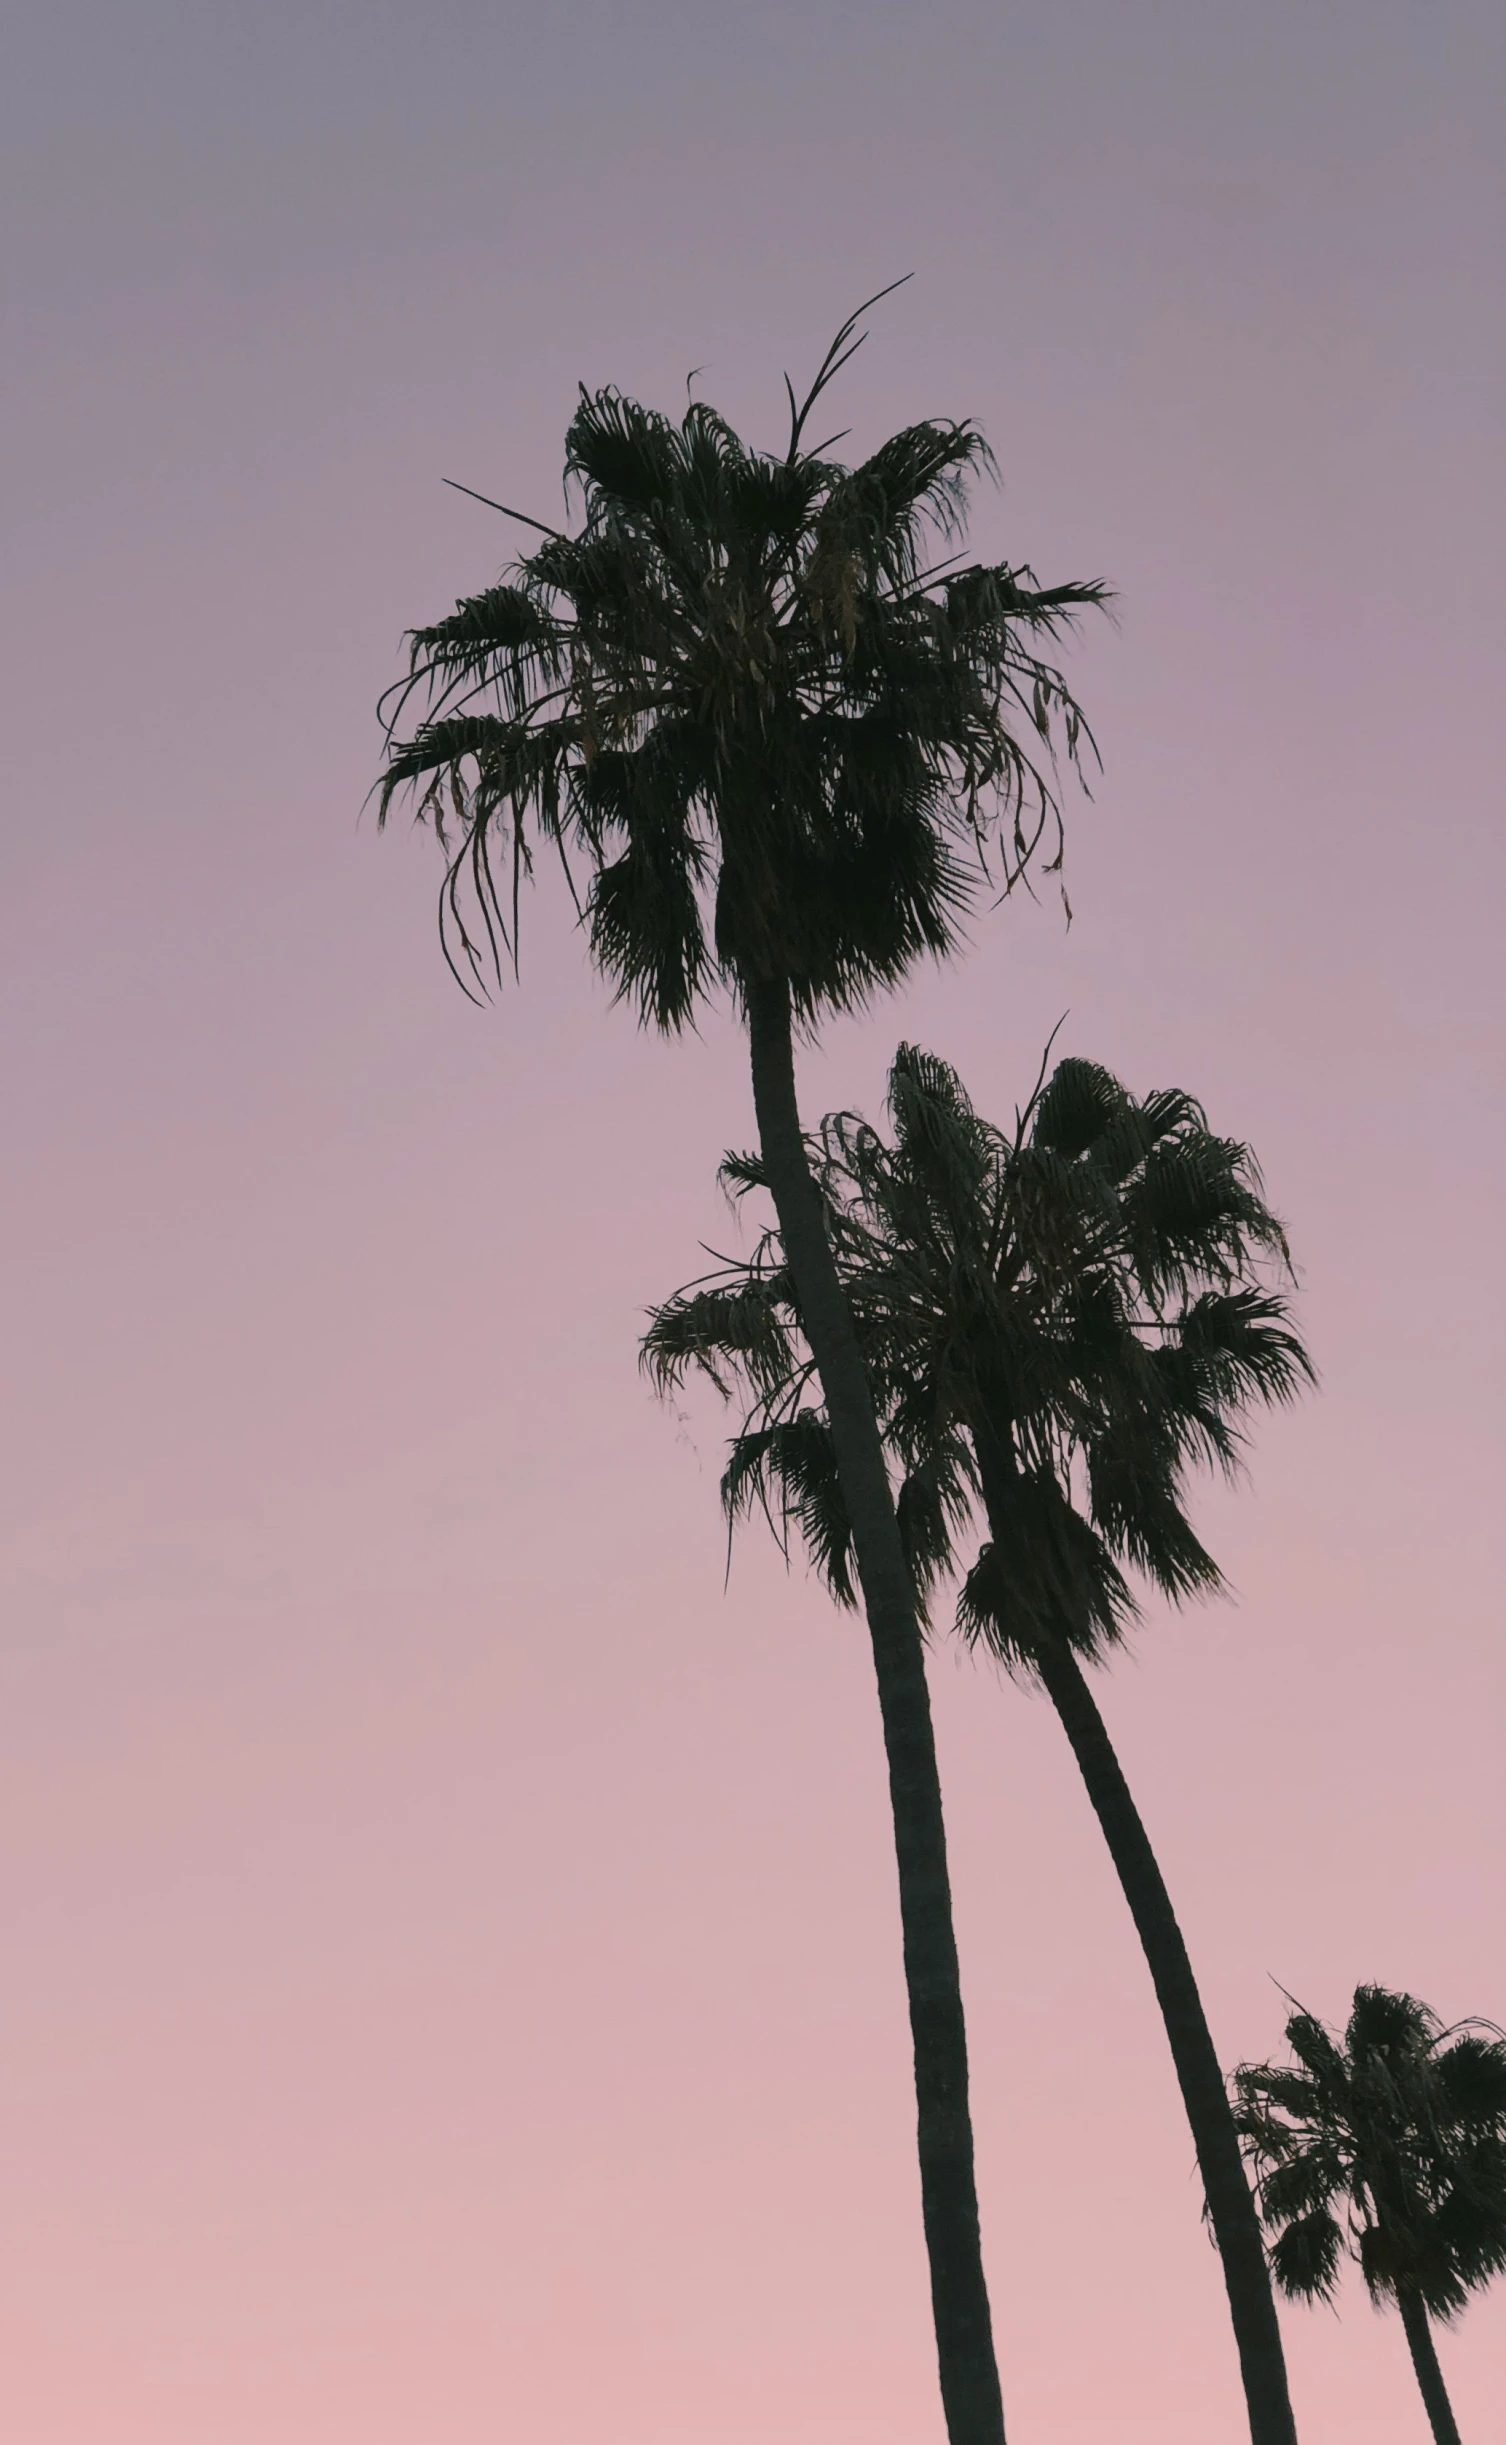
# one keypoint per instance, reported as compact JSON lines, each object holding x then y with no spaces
{"x":452,"y":1980}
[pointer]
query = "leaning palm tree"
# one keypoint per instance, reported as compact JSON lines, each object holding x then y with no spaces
{"x":1388,"y":2142}
{"x":1058,"y":1321}
{"x":779,"y":736}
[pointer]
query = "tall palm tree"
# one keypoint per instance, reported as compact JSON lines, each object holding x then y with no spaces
{"x":1388,"y":2142}
{"x":1058,"y":1321}
{"x":781,"y":745}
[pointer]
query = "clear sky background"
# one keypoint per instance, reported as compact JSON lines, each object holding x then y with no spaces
{"x":451,"y":1976}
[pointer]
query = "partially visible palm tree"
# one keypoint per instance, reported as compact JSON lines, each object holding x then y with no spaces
{"x":1059,"y":1321}
{"x":778,"y":732}
{"x":1387,"y":2143}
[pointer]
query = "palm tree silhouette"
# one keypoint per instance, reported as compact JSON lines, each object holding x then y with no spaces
{"x":1058,"y":1321}
{"x":780,"y":745}
{"x":1388,"y":2143}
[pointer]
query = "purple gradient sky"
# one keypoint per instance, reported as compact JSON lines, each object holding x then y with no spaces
{"x":452,"y":1981}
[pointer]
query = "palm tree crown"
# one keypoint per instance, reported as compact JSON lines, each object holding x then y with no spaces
{"x":742,"y":694}
{"x":1388,"y":2143}
{"x":1083,"y":1299}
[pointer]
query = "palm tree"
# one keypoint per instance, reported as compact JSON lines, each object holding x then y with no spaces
{"x":779,"y":746}
{"x":1057,"y":1321}
{"x":1388,"y":2142}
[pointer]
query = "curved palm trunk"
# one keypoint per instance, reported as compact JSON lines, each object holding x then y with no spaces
{"x":959,"y":2295}
{"x":1440,"y":2410}
{"x":1231,"y":2208}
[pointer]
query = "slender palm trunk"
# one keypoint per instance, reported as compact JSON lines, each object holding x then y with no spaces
{"x":1231,"y":2208}
{"x":1440,"y":2410}
{"x":949,"y":2200}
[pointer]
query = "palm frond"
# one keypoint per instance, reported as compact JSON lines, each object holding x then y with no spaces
{"x":789,"y":1470}
{"x":1079,"y":1107}
{"x":1306,"y":2256}
{"x":735,"y":1330}
{"x":1052,"y":1578}
{"x":843,"y":349}
{"x":738,"y":1173}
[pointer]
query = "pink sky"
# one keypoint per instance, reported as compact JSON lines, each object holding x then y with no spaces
{"x":451,"y":1967}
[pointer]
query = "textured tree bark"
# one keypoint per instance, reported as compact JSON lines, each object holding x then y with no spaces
{"x":1440,"y":2410}
{"x":959,"y":2295}
{"x":1231,"y":2208}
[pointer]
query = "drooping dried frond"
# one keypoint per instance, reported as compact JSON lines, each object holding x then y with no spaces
{"x":789,"y":1472}
{"x":1048,"y":1578}
{"x":734,"y":1330}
